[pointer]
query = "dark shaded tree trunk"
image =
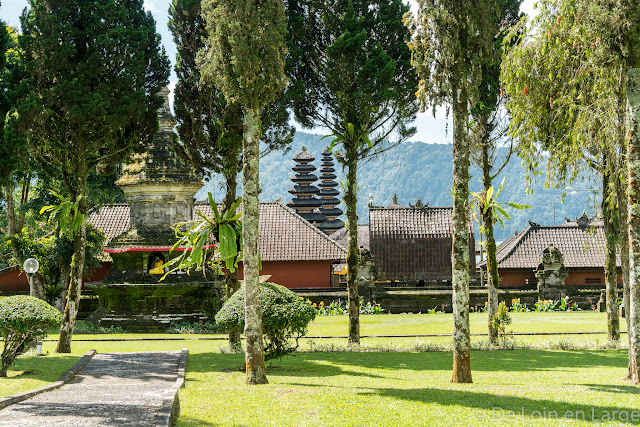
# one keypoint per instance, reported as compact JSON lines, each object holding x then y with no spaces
{"x":11,"y":220}
{"x":254,"y":346}
{"x":493,"y":279}
{"x":77,"y":265}
{"x":610,"y":263}
{"x":460,"y":252}
{"x":231,"y":277}
{"x":633,"y":150}
{"x":353,"y":253}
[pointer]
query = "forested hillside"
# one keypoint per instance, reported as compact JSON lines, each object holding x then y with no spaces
{"x":416,"y":170}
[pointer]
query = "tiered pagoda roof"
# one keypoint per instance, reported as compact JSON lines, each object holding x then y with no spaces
{"x":305,"y":201}
{"x":328,"y":194}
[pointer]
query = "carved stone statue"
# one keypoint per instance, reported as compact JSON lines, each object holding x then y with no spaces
{"x":551,"y":274}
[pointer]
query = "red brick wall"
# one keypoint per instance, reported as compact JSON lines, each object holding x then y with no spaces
{"x":297,"y":274}
{"x":575,"y":278}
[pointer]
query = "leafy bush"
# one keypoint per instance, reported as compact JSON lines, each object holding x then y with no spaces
{"x":518,"y":307}
{"x":334,"y":308}
{"x":501,"y":320}
{"x":546,"y":305}
{"x":284,"y":316}
{"x":23,"y":318}
{"x":339,"y":307}
{"x":195,"y":328}
{"x":82,"y":327}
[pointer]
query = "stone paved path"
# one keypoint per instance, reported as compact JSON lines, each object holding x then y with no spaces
{"x":113,"y":389}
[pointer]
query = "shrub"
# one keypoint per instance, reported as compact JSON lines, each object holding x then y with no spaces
{"x":501,"y":320}
{"x":284,"y":316}
{"x":22,"y":319}
{"x":518,"y":307}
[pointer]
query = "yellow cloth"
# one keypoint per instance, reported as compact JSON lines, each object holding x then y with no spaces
{"x":157,"y":268}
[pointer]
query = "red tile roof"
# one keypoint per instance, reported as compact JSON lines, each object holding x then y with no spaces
{"x":284,"y":235}
{"x":581,"y":247}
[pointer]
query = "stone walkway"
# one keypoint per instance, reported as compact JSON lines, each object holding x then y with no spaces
{"x":112,"y":389}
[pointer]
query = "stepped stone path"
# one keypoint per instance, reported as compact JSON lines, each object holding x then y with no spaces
{"x":112,"y":389}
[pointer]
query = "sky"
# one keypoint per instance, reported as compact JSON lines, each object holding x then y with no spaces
{"x":430,"y":129}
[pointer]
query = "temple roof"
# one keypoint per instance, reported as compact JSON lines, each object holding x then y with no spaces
{"x":581,"y":247}
{"x":284,"y":235}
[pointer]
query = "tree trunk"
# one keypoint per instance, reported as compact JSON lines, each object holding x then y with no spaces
{"x":353,"y":253}
{"x":24,"y":198}
{"x":231,"y":278}
{"x":77,"y":268}
{"x":254,"y":353}
{"x":460,"y":251}
{"x":12,"y":229}
{"x":610,"y":262}
{"x":493,"y":279}
{"x":633,"y":150}
{"x":621,"y":186}
{"x":623,"y":221}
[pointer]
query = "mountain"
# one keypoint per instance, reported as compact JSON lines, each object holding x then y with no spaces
{"x":417,"y":170}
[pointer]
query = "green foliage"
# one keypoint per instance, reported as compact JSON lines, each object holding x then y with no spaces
{"x":210,"y":128}
{"x":284,"y":316}
{"x":94,"y":71}
{"x":225,"y":228}
{"x":13,"y":144}
{"x":484,"y":201}
{"x":334,"y":308}
{"x":518,"y":307}
{"x":450,"y":43}
{"x":338,"y":307}
{"x":52,"y":252}
{"x":245,"y":51}
{"x":82,"y":327}
{"x":546,"y":305}
{"x":195,"y":328}
{"x":23,"y":319}
{"x":66,"y":214}
{"x":501,"y":320}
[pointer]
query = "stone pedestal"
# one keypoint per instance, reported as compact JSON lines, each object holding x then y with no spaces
{"x":551,"y":275}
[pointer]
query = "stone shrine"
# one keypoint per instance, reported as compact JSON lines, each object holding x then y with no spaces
{"x":551,"y":274}
{"x":160,"y":190}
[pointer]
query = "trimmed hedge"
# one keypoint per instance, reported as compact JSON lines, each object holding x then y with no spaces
{"x":285,"y":316}
{"x":23,"y":319}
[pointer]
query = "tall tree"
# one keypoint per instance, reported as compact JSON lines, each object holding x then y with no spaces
{"x":244,"y":58}
{"x":360,"y":85}
{"x":94,"y":69}
{"x":451,"y":41}
{"x":488,"y":131}
{"x":566,"y":103}
{"x":210,"y":128}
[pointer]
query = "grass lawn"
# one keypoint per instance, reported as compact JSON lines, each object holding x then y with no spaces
{"x":532,"y":387}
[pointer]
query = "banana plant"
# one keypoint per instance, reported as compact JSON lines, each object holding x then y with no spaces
{"x":489,"y":200}
{"x":65,"y":214}
{"x":209,"y":241}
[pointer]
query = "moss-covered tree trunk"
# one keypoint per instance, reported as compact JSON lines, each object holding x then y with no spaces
{"x":231,"y":277}
{"x":460,"y":252}
{"x":353,"y":254}
{"x":610,"y":262}
{"x":633,"y":150}
{"x":493,"y":279}
{"x":77,"y":266}
{"x":623,"y":220}
{"x":621,"y":186}
{"x":254,"y":355}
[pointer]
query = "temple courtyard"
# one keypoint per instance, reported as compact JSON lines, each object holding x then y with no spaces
{"x":565,"y":374}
